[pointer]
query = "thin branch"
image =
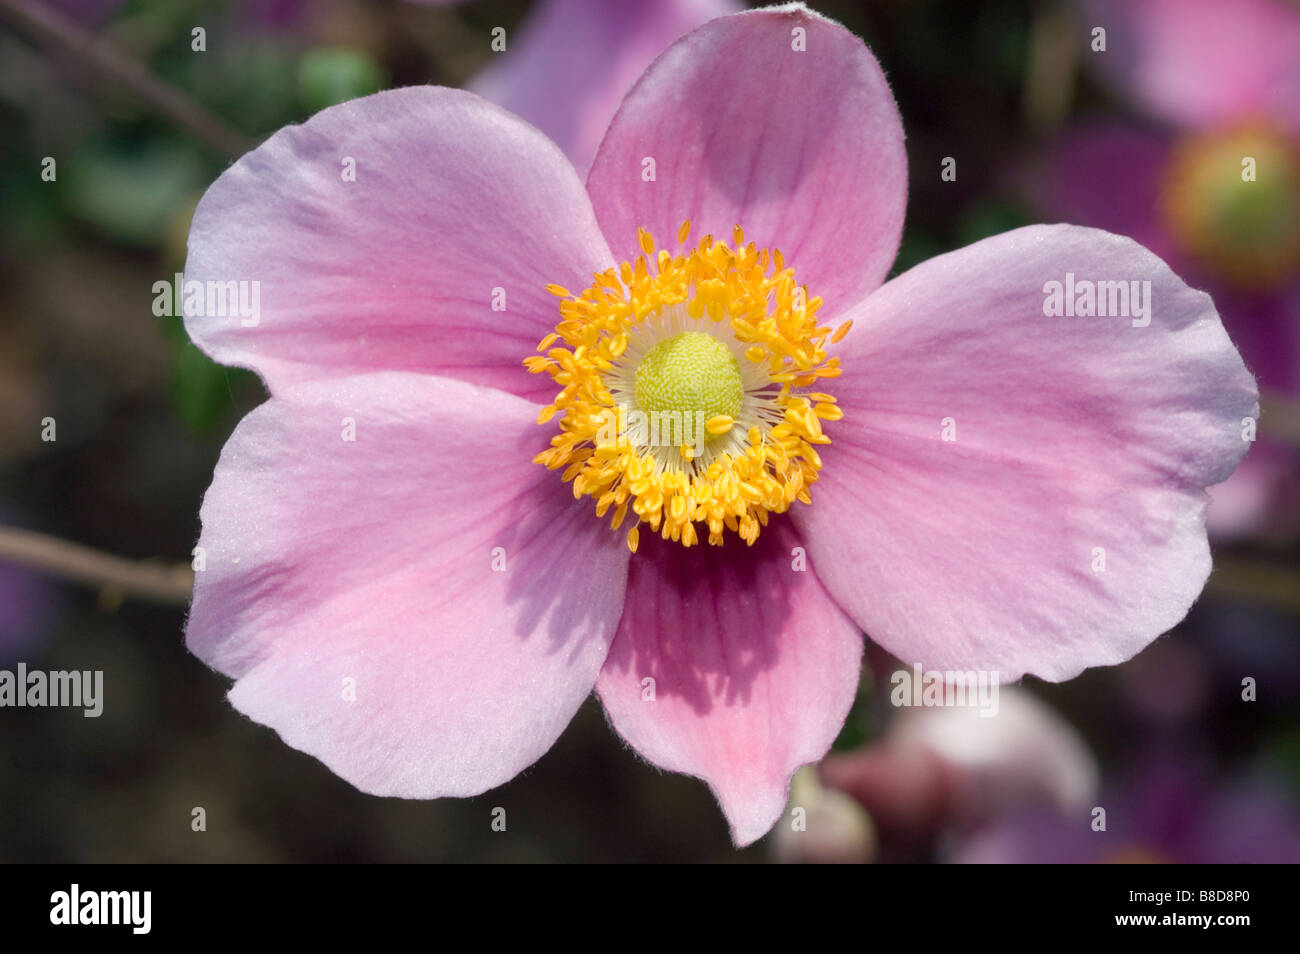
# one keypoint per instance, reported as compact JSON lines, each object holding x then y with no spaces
{"x":53,"y":28}
{"x":1051,"y":69}
{"x":148,"y":580}
{"x":1256,"y":582}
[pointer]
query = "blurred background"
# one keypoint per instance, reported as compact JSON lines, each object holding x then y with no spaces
{"x":1044,"y":126}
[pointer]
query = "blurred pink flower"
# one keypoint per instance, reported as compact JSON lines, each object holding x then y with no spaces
{"x":1204,"y":64}
{"x":350,"y":586}
{"x":1226,"y":77}
{"x":833,"y":828}
{"x":575,"y":59}
{"x":936,"y":769}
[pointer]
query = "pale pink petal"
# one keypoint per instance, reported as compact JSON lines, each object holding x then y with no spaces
{"x":1202,"y":62}
{"x":567,"y":68}
{"x":754,"y":669}
{"x":456,"y":206}
{"x":803,"y":149}
{"x":1262,"y":497}
{"x":371,"y":567}
{"x":1077,"y":440}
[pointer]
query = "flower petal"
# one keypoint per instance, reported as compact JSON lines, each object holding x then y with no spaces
{"x":572,"y":97}
{"x":457,"y":207}
{"x":754,"y":669}
{"x":371,"y":568}
{"x":801,"y":147}
{"x":1080,"y":443}
{"x":1203,"y":62}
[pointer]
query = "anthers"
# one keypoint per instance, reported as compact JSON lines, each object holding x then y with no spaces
{"x":686,"y":389}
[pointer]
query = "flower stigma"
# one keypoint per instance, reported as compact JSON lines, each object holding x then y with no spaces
{"x":685,"y":394}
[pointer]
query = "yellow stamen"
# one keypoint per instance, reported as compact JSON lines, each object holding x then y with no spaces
{"x":646,"y":241}
{"x":720,"y":424}
{"x":665,"y":335}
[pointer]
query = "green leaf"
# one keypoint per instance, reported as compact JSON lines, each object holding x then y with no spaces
{"x":989,"y":217}
{"x":202,"y":390}
{"x":327,"y":76}
{"x":131,"y":194}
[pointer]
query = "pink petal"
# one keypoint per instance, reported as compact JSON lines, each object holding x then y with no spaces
{"x":572,"y":61}
{"x":453,"y":198}
{"x":1262,"y":497}
{"x":802,"y":149}
{"x":1071,"y":434}
{"x":372,"y":560}
{"x":1203,"y":62}
{"x":754,"y":669}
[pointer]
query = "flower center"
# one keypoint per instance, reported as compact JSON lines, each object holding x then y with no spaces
{"x":692,"y":373}
{"x":685,"y":390}
{"x":1232,"y":200}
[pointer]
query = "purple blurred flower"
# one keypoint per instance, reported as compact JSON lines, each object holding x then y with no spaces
{"x":1169,"y":814}
{"x":87,"y":12}
{"x":22,"y":608}
{"x":26,"y":610}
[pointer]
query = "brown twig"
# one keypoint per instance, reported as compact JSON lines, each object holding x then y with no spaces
{"x":1256,"y":582}
{"x":54,"y":29}
{"x":154,"y":581}
{"x":1279,"y":417}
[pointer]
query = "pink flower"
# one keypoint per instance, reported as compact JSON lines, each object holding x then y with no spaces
{"x":936,"y":770}
{"x":399,"y":589}
{"x":1226,"y":78}
{"x":1204,"y":64}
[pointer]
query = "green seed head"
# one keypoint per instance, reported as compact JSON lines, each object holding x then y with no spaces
{"x":692,"y":372}
{"x":1261,"y":213}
